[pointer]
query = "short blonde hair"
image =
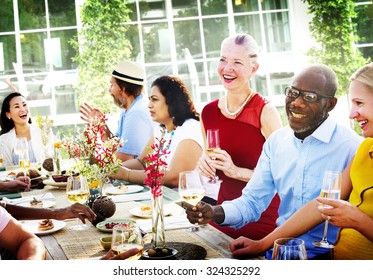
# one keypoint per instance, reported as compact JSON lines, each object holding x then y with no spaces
{"x":248,"y":42}
{"x":364,"y":75}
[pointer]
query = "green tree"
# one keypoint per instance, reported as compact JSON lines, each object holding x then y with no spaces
{"x":333,"y":29}
{"x":100,"y":45}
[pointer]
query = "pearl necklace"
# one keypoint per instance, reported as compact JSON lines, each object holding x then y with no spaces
{"x":235,"y":113}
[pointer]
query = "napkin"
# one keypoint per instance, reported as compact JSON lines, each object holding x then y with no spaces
{"x":45,"y":196}
{"x":131,"y":197}
{"x":9,"y":195}
{"x":172,"y":222}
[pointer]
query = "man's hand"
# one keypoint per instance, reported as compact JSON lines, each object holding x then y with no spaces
{"x":245,"y":247}
{"x":202,"y":213}
{"x":76,"y":210}
{"x":19,"y":184}
{"x":110,"y":255}
{"x":88,"y":113}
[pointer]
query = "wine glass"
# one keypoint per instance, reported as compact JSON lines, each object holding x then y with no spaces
{"x":21,"y":149}
{"x":331,"y":188}
{"x":77,"y":191}
{"x":126,"y":237}
{"x":289,"y":249}
{"x":191,"y":188}
{"x":212,"y":143}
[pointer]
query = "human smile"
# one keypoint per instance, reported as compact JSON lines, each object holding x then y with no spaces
{"x":298,"y":116}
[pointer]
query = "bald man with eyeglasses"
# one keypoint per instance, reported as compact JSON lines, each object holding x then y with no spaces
{"x":293,"y":161}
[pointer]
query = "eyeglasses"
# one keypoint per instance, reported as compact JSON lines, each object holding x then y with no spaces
{"x":307,"y":96}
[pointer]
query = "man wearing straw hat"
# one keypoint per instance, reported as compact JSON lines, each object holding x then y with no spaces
{"x":135,"y":125}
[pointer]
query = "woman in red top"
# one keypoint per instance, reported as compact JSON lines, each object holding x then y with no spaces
{"x":245,"y":120}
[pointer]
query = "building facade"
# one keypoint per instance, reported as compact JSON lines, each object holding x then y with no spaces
{"x":178,"y":37}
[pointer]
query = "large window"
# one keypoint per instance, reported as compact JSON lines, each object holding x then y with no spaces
{"x":171,"y":37}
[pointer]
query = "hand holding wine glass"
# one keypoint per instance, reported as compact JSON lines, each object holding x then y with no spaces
{"x":212,"y":143}
{"x":331,"y":188}
{"x":77,"y":191}
{"x":126,"y":237}
{"x":191,"y":188}
{"x":21,"y":149}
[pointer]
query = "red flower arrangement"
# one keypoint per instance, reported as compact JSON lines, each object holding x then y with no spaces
{"x":156,"y":166}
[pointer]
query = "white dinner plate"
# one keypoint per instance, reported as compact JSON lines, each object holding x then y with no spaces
{"x":130,"y":189}
{"x":33,"y":226}
{"x":51,"y":182}
{"x":46,"y":204}
{"x":141,"y":214}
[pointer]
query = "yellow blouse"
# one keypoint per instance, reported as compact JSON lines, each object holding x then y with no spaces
{"x":350,"y":243}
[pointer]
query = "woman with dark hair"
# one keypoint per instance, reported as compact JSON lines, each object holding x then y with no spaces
{"x":15,"y":121}
{"x":170,"y":105}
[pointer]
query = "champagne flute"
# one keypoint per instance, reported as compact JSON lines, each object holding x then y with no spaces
{"x":77,"y":191}
{"x":212,"y":143}
{"x":126,"y":237}
{"x":191,"y":188}
{"x":331,"y":188}
{"x":289,"y":249}
{"x":21,"y":149}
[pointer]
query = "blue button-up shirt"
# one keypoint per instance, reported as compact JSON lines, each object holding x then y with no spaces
{"x":135,"y":127}
{"x":294,"y":169}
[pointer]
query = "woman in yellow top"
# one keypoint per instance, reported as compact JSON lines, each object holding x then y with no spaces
{"x":354,"y":216}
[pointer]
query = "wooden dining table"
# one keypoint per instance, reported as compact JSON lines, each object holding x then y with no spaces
{"x":68,"y":244}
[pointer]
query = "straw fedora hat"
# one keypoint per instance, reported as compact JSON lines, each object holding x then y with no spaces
{"x":129,"y":72}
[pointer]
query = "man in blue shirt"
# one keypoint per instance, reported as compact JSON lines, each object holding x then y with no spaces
{"x":294,"y":159}
{"x":135,"y":124}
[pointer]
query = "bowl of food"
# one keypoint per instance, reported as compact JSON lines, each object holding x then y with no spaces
{"x":106,"y":242}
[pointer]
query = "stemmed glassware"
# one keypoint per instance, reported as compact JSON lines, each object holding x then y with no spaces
{"x":191,"y":188}
{"x":77,"y":191}
{"x":21,"y":149}
{"x":212,"y":143}
{"x":126,"y":237}
{"x":331,"y":188}
{"x":289,"y":249}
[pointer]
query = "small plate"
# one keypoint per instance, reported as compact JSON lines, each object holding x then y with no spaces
{"x":130,"y":189}
{"x":51,"y":182}
{"x":138,"y":213}
{"x":101,"y":225}
{"x":33,"y":226}
{"x":173,"y":253}
{"x":46,"y":204}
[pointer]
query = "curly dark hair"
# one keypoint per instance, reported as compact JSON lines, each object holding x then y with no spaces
{"x":5,"y":123}
{"x":178,"y":100}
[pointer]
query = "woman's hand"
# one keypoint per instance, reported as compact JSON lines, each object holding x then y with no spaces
{"x":342,"y":213}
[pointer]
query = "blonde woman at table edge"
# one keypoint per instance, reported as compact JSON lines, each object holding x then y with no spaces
{"x":354,"y":212}
{"x":171,"y":106}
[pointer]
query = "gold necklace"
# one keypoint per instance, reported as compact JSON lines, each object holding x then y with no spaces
{"x":235,"y":113}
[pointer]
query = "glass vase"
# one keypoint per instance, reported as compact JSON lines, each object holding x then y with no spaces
{"x":158,"y":232}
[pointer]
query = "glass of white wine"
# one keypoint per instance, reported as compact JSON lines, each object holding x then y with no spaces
{"x":21,"y":149}
{"x":77,"y":191}
{"x":191,"y":188}
{"x":126,"y":237}
{"x":331,"y":188}
{"x":212,"y":143}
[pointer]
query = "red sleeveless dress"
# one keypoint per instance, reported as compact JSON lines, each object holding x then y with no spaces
{"x":243,"y":140}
